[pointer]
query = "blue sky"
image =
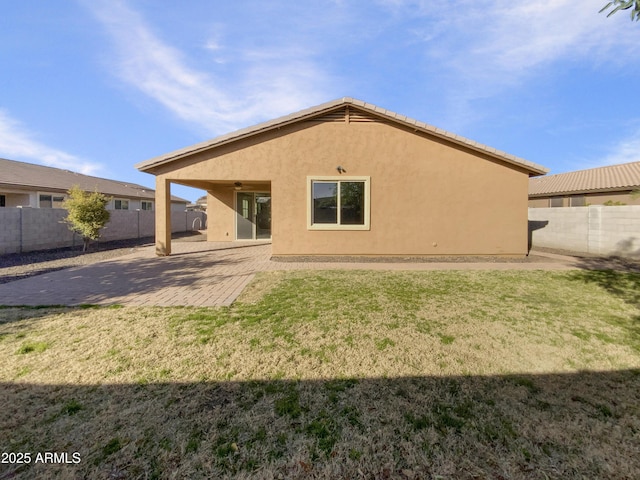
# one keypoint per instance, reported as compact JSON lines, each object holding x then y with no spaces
{"x":97,"y":86}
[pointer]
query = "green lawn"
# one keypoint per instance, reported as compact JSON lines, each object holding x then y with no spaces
{"x":336,"y":375}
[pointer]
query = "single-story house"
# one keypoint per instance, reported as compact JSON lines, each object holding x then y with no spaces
{"x":610,"y":185}
{"x":200,"y":205}
{"x":350,"y":178}
{"x":29,"y":185}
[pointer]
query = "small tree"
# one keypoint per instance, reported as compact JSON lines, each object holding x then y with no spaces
{"x":87,"y":214}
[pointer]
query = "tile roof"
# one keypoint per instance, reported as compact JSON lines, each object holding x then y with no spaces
{"x":39,"y":177}
{"x":625,"y":176}
{"x":324,"y":108}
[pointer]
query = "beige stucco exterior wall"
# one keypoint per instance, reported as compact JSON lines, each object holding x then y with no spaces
{"x":163,"y":216}
{"x":428,"y":197}
{"x":221,"y":221}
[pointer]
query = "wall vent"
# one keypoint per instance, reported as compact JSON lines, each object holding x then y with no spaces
{"x":346,"y":115}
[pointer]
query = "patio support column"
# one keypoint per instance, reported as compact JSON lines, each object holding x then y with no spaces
{"x":163,"y":216}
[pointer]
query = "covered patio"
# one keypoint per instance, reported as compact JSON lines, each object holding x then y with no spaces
{"x":238,"y":210}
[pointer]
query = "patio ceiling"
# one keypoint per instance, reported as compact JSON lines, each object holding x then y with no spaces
{"x":212,"y":184}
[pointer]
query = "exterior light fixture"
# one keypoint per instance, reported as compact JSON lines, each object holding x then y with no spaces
{"x":237,"y":186}
{"x":340,"y":169}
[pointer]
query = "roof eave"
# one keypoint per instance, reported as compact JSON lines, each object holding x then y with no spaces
{"x":624,"y":189}
{"x":149,"y":165}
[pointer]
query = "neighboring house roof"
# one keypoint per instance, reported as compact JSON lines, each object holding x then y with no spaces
{"x":38,"y":177}
{"x":325,"y":108}
{"x":625,"y":176}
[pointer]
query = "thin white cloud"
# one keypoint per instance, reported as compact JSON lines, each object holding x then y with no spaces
{"x":17,"y":143}
{"x":471,"y":50}
{"x":481,"y":48}
{"x":609,"y":149}
{"x":514,"y":38}
{"x":627,"y":150}
{"x":265,"y":88}
{"x":159,"y":70}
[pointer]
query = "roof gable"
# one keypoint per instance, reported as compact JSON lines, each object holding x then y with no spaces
{"x":346,"y":110}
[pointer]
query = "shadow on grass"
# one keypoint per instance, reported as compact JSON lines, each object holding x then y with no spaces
{"x":582,"y":425}
{"x":619,"y":277}
{"x":624,"y":285}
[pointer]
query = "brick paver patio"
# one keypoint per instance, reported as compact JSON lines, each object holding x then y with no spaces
{"x":196,"y":274}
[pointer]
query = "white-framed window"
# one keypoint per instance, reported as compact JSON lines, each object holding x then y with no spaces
{"x":147,"y":205}
{"x":338,"y":203}
{"x":120,"y":204}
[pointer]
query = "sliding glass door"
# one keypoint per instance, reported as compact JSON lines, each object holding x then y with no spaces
{"x":253,"y":216}
{"x":263,"y":216}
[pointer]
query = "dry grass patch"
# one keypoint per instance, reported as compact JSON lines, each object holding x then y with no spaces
{"x":336,"y":375}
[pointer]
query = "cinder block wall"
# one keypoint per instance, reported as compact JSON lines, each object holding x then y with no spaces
{"x":148,"y":224}
{"x":597,"y":229}
{"x":123,"y":224}
{"x":9,"y":230}
{"x":30,"y":229}
{"x":186,"y":221}
{"x":44,"y":228}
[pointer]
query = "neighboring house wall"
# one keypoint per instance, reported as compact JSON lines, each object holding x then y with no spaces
{"x":625,"y":197}
{"x":47,"y":199}
{"x":598,"y":230}
{"x":29,"y":229}
{"x":13,"y":199}
{"x":127,"y":204}
{"x":423,"y":200}
{"x":123,"y":203}
{"x":538,"y":202}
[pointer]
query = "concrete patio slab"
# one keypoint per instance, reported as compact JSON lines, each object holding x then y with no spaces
{"x":198,"y":274}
